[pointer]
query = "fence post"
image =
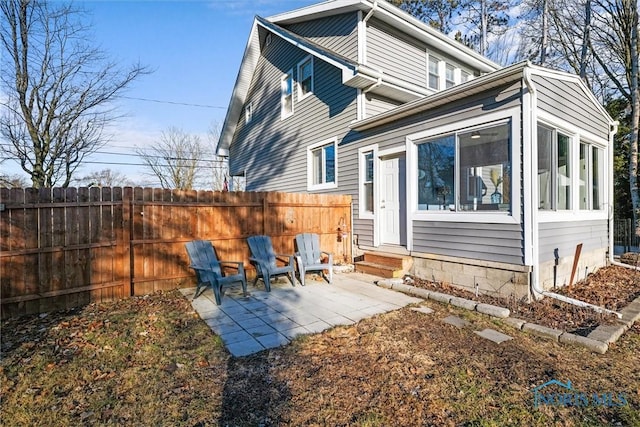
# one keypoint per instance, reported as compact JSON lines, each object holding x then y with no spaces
{"x":265,"y":208}
{"x":127,"y":223}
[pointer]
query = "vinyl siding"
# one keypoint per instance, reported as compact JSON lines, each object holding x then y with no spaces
{"x":338,"y":33}
{"x":566,"y":235}
{"x":568,"y":102}
{"x":395,"y":54}
{"x":273,"y":152}
{"x":487,"y":242}
{"x":376,"y":105}
{"x":491,"y":242}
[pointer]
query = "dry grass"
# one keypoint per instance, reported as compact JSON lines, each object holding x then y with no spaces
{"x":151,"y":361}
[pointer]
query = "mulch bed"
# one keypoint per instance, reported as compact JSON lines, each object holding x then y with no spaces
{"x":611,"y":287}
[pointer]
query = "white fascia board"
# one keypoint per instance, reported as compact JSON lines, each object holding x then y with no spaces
{"x":239,"y":93}
{"x":307,"y":47}
{"x":317,"y":10}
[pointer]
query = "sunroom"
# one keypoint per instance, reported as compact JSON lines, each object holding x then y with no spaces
{"x":503,"y":183}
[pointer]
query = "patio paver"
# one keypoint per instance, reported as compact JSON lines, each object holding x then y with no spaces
{"x":265,"y":320}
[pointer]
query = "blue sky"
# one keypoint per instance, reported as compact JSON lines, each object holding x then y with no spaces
{"x":194,"y":47}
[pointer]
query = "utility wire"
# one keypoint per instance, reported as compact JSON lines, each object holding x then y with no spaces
{"x":185,"y":104}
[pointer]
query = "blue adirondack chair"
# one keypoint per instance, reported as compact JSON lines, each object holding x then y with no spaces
{"x":309,"y":256}
{"x":210,"y":271}
{"x":266,"y":261}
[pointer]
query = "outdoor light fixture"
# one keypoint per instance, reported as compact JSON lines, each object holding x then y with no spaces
{"x":475,"y":134}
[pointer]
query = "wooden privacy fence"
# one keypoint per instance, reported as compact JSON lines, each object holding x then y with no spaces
{"x":66,"y":247}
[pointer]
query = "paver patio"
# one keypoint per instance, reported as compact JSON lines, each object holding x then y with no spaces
{"x":265,"y":320}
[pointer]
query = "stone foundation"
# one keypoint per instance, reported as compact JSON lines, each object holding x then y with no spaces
{"x":485,"y":277}
{"x":587,"y":264}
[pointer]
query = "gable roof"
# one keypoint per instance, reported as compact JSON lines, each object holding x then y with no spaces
{"x":498,"y":78}
{"x":353,"y":74}
{"x":395,"y":17}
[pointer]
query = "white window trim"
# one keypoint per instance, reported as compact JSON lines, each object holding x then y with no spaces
{"x":302,"y":96}
{"x":456,"y":75}
{"x":248,"y":113}
{"x":362,"y":170}
{"x":439,"y":64}
{"x":442,"y":72}
{"x":328,"y":185}
{"x":286,"y":76}
{"x":496,"y":217}
{"x":576,"y":135}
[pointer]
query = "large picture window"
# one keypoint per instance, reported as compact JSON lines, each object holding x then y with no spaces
{"x":466,"y":170}
{"x":321,"y":164}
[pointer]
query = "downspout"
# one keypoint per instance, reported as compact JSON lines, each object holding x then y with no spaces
{"x":364,"y":21}
{"x":612,"y":261}
{"x":373,"y":86}
{"x":370,"y":14}
{"x":538,"y":292}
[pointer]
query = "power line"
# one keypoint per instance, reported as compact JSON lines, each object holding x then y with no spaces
{"x":185,"y":104}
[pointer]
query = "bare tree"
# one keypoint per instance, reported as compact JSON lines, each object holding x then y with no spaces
{"x":615,"y":46}
{"x":104,"y":178}
{"x":534,"y":30}
{"x":220,"y":177}
{"x":437,"y":13}
{"x":13,"y":181}
{"x":59,"y":89}
{"x":482,"y":19}
{"x":178,"y":160}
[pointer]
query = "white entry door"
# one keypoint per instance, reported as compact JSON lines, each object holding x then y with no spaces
{"x":390,"y":200}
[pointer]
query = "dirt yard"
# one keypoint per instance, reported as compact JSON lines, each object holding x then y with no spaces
{"x":611,"y":287}
{"x":152,"y":361}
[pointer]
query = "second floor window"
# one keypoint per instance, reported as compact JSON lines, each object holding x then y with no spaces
{"x":305,"y":77}
{"x":450,"y":79}
{"x":287,"y":95}
{"x":248,"y":113}
{"x":433,"y":78}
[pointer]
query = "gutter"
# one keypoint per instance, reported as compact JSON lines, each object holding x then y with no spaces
{"x":538,"y":292}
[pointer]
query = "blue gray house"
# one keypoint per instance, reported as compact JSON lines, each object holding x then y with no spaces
{"x":489,"y":178}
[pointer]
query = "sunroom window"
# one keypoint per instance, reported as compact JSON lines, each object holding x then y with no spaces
{"x":466,"y":170}
{"x":591,"y":176}
{"x":554,"y":169}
